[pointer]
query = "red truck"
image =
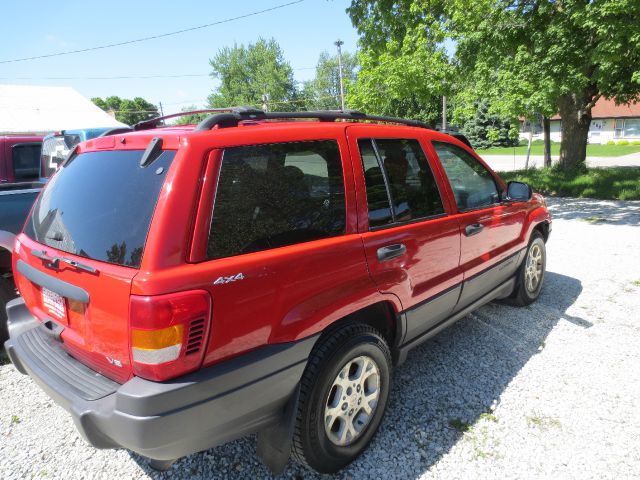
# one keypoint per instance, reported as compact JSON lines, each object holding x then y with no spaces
{"x":20,"y":158}
{"x":186,"y":286}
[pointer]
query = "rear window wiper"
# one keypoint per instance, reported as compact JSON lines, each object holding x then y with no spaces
{"x":54,"y":262}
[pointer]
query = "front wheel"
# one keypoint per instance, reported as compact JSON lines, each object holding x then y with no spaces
{"x":531,"y":273}
{"x":343,"y":396}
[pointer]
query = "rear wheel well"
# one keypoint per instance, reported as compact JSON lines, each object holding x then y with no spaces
{"x":381,"y":316}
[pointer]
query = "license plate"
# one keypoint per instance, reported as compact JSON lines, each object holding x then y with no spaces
{"x":54,"y":304}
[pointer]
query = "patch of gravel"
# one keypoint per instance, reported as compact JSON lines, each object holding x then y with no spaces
{"x":547,"y":391}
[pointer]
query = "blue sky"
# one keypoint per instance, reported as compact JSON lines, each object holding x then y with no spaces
{"x":31,"y":28}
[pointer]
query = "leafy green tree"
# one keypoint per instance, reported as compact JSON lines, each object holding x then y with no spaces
{"x":248,"y":73}
{"x":405,"y":69}
{"x":323,"y":92}
{"x":524,"y":57}
{"x":127,"y":111}
{"x":486,"y":130}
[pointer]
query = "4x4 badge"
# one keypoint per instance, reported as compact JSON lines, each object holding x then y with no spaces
{"x":232,"y":278}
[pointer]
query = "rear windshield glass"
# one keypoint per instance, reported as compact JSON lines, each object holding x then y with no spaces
{"x":100,"y":206}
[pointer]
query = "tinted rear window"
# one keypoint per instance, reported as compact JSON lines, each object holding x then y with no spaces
{"x":26,"y":161}
{"x":100,"y":206}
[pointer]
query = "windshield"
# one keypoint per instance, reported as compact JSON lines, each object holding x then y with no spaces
{"x":100,"y":205}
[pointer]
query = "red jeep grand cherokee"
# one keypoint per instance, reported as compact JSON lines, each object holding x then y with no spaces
{"x":183,"y":287}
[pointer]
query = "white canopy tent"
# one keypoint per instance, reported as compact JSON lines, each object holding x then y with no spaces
{"x":41,"y":109}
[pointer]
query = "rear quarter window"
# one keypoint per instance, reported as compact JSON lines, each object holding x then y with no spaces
{"x":275,"y":195}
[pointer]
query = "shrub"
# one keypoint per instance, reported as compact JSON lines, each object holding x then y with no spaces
{"x":635,"y":142}
{"x":623,"y":142}
{"x":611,"y":142}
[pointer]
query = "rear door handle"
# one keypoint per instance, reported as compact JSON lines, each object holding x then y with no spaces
{"x":391,"y":251}
{"x":473,"y":229}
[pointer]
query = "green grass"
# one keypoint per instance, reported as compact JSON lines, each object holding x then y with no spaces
{"x":613,"y":183}
{"x":537,"y":148}
{"x":544,"y":422}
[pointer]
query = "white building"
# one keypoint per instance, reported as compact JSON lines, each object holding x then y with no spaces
{"x":44,"y":109}
{"x":610,"y":122}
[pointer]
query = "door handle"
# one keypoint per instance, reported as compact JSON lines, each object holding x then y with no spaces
{"x":391,"y":251}
{"x":473,"y":229}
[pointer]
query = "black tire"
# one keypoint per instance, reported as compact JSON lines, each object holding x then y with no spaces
{"x":312,"y":446}
{"x":7,"y":292}
{"x":522,"y":294}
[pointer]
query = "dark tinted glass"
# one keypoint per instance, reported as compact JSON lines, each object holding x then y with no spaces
{"x":275,"y":195}
{"x":472,"y":184}
{"x":26,"y":161}
{"x":377,"y":196}
{"x":413,"y":188}
{"x":100,"y":206}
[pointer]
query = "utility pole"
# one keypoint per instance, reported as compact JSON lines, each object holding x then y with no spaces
{"x":338,"y":43}
{"x":444,"y":114}
{"x":161,"y":111}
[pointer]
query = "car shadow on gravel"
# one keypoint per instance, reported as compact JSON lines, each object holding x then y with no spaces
{"x":445,"y":387}
{"x":611,"y":212}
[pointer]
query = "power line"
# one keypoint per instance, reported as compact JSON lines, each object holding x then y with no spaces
{"x":154,"y":37}
{"x":129,"y":77}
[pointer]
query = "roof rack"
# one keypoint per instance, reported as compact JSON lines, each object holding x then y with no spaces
{"x":234,"y":116}
{"x":154,"y":122}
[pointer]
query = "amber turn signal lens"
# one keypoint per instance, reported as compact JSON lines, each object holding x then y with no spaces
{"x":157,"y":339}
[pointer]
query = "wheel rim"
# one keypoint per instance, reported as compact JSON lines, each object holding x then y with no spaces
{"x":533,"y":269}
{"x":352,"y":400}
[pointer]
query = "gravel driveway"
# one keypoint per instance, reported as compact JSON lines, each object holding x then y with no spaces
{"x":548,"y":391}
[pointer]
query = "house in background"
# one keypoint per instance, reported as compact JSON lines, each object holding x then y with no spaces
{"x":609,"y":122}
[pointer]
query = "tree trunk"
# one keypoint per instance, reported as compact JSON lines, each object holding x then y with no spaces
{"x":576,"y":117}
{"x":546,"y":127}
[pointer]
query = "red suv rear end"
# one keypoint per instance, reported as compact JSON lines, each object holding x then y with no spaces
{"x":183,"y":287}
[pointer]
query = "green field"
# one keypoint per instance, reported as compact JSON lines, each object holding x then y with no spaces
{"x":614,"y":183}
{"x":537,"y":148}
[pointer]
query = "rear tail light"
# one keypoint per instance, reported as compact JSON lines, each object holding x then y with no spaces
{"x":168,"y":333}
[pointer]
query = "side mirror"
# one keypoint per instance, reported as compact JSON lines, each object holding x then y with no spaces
{"x":518,"y":192}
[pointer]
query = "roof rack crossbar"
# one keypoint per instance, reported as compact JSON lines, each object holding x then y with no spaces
{"x":234,"y":116}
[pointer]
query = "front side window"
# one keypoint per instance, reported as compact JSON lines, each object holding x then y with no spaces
{"x":472,"y":184}
{"x":275,"y":195}
{"x":26,"y":161}
{"x":397,"y":171}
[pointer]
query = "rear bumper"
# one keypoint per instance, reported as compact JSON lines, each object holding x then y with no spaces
{"x":165,"y":420}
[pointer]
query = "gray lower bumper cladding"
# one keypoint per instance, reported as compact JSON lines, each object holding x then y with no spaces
{"x":162,"y":421}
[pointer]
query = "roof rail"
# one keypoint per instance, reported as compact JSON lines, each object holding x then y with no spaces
{"x":232,"y":117}
{"x":153,"y":122}
{"x":457,"y":136}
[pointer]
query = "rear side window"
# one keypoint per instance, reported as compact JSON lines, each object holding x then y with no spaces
{"x":275,"y":195}
{"x":400,"y":169}
{"x":100,"y":205}
{"x":26,"y":161}
{"x":472,"y":184}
